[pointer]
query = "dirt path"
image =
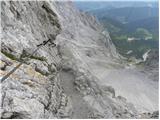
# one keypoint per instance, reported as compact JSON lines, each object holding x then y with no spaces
{"x":80,"y":108}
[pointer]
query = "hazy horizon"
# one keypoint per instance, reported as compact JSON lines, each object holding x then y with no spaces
{"x":117,"y":0}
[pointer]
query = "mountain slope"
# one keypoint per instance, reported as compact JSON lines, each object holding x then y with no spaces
{"x":150,"y":24}
{"x":127,"y":14}
{"x":61,"y":80}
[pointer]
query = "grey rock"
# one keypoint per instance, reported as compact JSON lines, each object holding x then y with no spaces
{"x":64,"y":85}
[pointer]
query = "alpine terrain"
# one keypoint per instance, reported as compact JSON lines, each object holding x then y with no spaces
{"x":60,"y":63}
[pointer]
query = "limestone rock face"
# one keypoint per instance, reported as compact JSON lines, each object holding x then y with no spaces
{"x":59,"y":80}
{"x":33,"y":91}
{"x":151,"y":65}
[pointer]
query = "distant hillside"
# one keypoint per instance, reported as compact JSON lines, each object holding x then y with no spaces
{"x":150,"y":24}
{"x":116,"y":27}
{"x":90,"y":6}
{"x":112,"y":25}
{"x":126,"y":20}
{"x":126,"y":14}
{"x":120,"y":32}
{"x":129,"y":14}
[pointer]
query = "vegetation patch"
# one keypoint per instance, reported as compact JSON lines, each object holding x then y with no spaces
{"x":25,"y":54}
{"x":38,"y":58}
{"x":9,"y":55}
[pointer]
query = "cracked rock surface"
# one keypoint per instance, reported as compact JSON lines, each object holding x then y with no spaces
{"x":66,"y":78}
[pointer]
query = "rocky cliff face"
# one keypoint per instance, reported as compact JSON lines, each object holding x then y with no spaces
{"x":151,"y":64}
{"x":59,"y":80}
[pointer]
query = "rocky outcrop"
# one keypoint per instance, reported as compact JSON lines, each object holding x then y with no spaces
{"x":151,"y":64}
{"x":33,"y":91}
{"x":59,"y":80}
{"x":154,"y":115}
